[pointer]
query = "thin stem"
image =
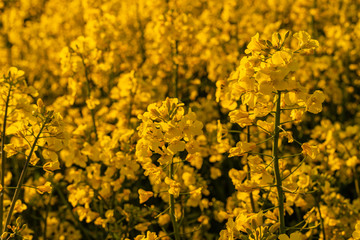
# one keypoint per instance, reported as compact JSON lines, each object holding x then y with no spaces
{"x":276,"y":164}
{"x":3,"y":159}
{"x":252,"y":202}
{"x":22,"y":176}
{"x":176,"y":70}
{"x":297,"y":167}
{"x":321,"y":220}
{"x":356,"y":177}
{"x":172,"y":205}
{"x":46,"y":215}
{"x":89,"y":95}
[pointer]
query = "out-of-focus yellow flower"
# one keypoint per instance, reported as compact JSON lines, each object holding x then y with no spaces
{"x":305,"y":41}
{"x":314,"y":102}
{"x":356,"y":233}
{"x":144,"y":195}
{"x":164,"y":219}
{"x":149,"y":236}
{"x":51,"y":166}
{"x":310,"y":150}
{"x":44,"y":188}
{"x":241,"y":148}
{"x":174,"y":186}
{"x":293,"y":236}
{"x":240,"y":117}
{"x":19,"y":206}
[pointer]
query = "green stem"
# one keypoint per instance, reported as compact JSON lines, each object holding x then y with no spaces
{"x":176,"y":71}
{"x":356,"y":177}
{"x":252,"y":202}
{"x":92,"y":111}
{"x":22,"y":176}
{"x":46,"y":215}
{"x":3,"y":159}
{"x":172,"y":206}
{"x":321,"y":220}
{"x":276,"y":164}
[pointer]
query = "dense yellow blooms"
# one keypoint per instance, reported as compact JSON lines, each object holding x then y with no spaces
{"x":217,"y":119}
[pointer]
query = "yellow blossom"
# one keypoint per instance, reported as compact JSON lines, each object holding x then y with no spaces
{"x":144,"y":195}
{"x":305,"y":40}
{"x":310,"y":150}
{"x":51,"y":166}
{"x":174,"y":186}
{"x":240,"y":117}
{"x":314,"y":102}
{"x":241,"y":148}
{"x":44,"y":188}
{"x":19,"y":206}
{"x":293,"y":236}
{"x":356,"y":233}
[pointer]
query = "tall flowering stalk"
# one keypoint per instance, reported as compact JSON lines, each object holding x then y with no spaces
{"x":270,"y":97}
{"x":165,"y":132}
{"x":34,"y":130}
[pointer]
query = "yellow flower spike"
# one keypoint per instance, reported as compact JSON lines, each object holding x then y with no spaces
{"x":44,"y":188}
{"x":144,"y":195}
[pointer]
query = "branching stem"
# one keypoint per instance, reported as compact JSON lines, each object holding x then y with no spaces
{"x":3,"y":158}
{"x":23,"y":174}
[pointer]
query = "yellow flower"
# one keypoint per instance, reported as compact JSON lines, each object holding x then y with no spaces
{"x":174,"y":187}
{"x":241,"y":148}
{"x":293,"y":236}
{"x":149,"y":236}
{"x":254,"y":45}
{"x":51,"y":166}
{"x":314,"y":102}
{"x":92,"y":102}
{"x":310,"y":150}
{"x":304,"y":181}
{"x":19,"y":206}
{"x":44,"y":188}
{"x":164,"y":219}
{"x":144,"y":195}
{"x":15,"y":73}
{"x":356,"y":233}
{"x":240,"y":117}
{"x":352,"y":162}
{"x":305,"y":40}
